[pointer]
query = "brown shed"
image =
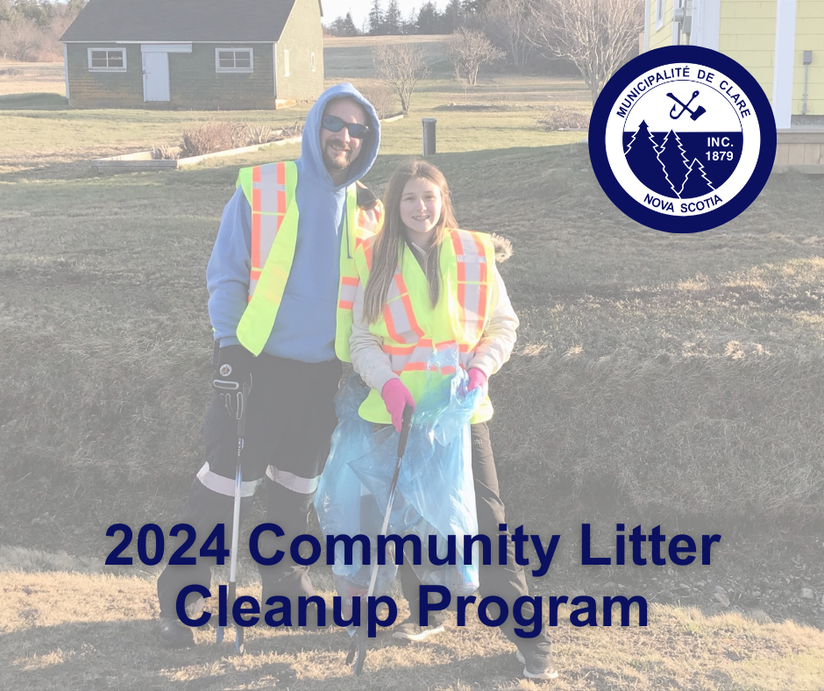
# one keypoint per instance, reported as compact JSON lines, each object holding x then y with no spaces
{"x":202,"y":54}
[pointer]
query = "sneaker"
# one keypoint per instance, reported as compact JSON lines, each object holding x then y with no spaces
{"x":410,"y":630}
{"x":537,"y":664}
{"x":175,"y":634}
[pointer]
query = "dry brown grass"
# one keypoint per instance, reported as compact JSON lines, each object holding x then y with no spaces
{"x":27,"y":77}
{"x":69,"y":631}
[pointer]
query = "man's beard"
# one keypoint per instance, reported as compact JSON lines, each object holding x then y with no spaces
{"x":341,"y":160}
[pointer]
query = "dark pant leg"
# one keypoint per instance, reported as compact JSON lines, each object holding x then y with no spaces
{"x":508,"y":581}
{"x":210,"y":502}
{"x":304,"y":396}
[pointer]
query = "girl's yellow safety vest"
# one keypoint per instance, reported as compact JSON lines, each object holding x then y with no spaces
{"x":270,"y":191}
{"x":412,"y":329}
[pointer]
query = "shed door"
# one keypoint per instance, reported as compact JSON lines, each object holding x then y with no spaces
{"x":155,"y":76}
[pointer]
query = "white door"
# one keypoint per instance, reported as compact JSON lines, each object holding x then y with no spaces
{"x":156,"y":76}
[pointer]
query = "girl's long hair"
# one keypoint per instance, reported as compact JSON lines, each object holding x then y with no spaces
{"x":391,"y":241}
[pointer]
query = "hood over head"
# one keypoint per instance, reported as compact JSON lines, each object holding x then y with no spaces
{"x":311,"y":157}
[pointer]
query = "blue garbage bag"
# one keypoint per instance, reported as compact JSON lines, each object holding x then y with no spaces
{"x":435,"y":493}
{"x":343,"y":505}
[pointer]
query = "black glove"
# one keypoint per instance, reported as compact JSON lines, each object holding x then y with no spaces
{"x":233,"y":377}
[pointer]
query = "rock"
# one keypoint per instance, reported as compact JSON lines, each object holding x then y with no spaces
{"x":722,"y":598}
{"x":807,"y":593}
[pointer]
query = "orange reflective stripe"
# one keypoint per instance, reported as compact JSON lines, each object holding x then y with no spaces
{"x":398,"y":313}
{"x":473,"y":280}
{"x":348,"y":288}
{"x":256,"y":192}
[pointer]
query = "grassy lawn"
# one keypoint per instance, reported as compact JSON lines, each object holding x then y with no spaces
{"x":657,"y":379}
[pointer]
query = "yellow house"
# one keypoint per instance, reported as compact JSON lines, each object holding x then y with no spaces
{"x":780,"y":42}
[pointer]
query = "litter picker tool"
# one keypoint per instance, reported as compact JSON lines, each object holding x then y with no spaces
{"x":239,"y":411}
{"x":357,"y":643}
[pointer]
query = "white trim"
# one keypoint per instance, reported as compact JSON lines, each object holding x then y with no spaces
{"x":782,"y":100}
{"x":122,"y":51}
{"x":300,"y":485}
{"x":66,"y":68}
{"x":706,"y":24}
{"x":676,"y":26}
{"x":166,"y":48}
{"x":241,"y":70}
{"x":224,"y":485}
{"x":647,"y":10}
{"x":659,"y":14}
{"x":275,"y":67}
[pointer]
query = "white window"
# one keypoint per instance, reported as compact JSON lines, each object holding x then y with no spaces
{"x":285,"y":62}
{"x":659,"y":13}
{"x":234,"y":60}
{"x":312,"y":60}
{"x":107,"y":59}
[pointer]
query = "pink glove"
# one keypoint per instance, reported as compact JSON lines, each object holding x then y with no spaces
{"x":477,"y":378}
{"x":395,"y":395}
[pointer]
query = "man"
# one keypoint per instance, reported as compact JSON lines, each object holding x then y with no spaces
{"x":281,"y":280}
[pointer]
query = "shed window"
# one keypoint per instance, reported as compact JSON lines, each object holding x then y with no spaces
{"x":234,"y":60}
{"x":285,"y":62}
{"x":659,"y":14}
{"x":107,"y":59}
{"x":313,"y":61}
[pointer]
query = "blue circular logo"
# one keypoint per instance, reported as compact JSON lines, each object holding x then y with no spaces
{"x":682,"y":139}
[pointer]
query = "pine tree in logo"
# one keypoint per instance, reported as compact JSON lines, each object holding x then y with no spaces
{"x":674,"y":161}
{"x":696,"y":184}
{"x":642,"y":157}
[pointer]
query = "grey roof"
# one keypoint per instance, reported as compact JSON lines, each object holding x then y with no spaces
{"x":180,"y":20}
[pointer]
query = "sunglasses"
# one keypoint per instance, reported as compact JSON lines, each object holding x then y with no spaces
{"x":334,"y":124}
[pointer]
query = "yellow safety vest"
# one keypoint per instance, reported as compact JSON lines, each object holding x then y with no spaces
{"x":412,"y":329}
{"x":270,"y":191}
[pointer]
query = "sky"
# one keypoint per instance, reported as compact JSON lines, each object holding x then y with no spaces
{"x":360,"y":8}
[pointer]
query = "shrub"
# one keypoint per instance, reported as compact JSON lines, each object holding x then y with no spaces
{"x":165,"y":151}
{"x":563,"y":118}
{"x":211,"y":137}
{"x":382,"y":99}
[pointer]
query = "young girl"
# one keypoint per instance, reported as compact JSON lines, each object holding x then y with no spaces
{"x":425,"y":284}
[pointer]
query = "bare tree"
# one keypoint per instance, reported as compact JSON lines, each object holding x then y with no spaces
{"x":510,"y":25}
{"x":468,"y":49}
{"x":596,"y":35}
{"x":401,"y":66}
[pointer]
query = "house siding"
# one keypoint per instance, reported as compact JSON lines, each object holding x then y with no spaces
{"x":301,"y":36}
{"x":747,"y":35}
{"x":663,"y":36}
{"x":104,"y":89}
{"x":193,"y":80}
{"x":809,"y":35}
{"x":196,"y":84}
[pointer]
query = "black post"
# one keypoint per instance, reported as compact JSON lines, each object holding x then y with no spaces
{"x":428,"y":136}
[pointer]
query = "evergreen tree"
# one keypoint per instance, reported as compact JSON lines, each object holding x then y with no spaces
{"x":392,"y":21}
{"x":429,"y":19}
{"x":696,"y":184}
{"x":474,"y":8}
{"x":344,"y":26}
{"x":642,"y":156}
{"x":375,"y":19}
{"x":453,"y":17}
{"x":674,"y":161}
